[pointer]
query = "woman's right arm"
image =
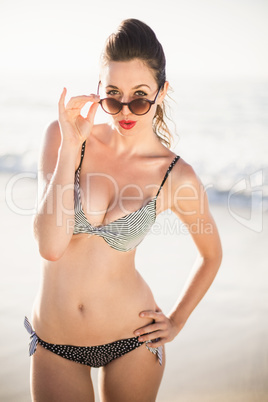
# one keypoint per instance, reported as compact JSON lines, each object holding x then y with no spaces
{"x":54,"y":220}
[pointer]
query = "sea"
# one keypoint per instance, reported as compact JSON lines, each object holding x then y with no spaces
{"x":220,"y":127}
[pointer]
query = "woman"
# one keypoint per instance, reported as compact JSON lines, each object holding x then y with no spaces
{"x":103,"y":186}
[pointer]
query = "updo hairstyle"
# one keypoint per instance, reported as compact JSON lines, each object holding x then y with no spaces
{"x":136,"y":40}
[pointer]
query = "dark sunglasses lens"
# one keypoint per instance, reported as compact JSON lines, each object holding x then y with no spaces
{"x":139,"y":106}
{"x":111,"y":106}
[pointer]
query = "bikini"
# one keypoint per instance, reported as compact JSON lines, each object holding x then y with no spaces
{"x":123,"y":234}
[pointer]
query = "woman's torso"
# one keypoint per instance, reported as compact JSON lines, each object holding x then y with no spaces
{"x":93,"y":294}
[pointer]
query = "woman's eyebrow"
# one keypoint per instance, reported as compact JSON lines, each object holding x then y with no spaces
{"x":111,"y":86}
{"x":136,"y":87}
{"x":141,"y":85}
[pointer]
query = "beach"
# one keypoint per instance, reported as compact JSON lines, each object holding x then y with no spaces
{"x":221,"y":355}
{"x":217,"y":108}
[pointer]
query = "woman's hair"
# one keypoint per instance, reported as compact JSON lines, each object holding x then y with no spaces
{"x":136,"y":40}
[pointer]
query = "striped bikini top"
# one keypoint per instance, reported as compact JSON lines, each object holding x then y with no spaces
{"x":125,"y":233}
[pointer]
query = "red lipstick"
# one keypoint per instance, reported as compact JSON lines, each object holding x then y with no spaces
{"x":127,"y":124}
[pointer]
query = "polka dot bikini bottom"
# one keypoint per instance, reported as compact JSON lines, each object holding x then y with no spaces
{"x":93,"y":356}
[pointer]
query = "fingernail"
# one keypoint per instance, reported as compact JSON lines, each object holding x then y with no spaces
{"x":142,"y":314}
{"x":137,"y":333}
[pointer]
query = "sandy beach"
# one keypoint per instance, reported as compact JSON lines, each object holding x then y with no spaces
{"x":222,"y":353}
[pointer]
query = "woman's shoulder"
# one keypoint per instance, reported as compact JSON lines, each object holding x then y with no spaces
{"x":52,"y":135}
{"x":49,"y":147}
{"x":188,"y":192}
{"x":100,"y":132}
{"x":53,"y":128}
{"x":51,"y":140}
{"x":184,"y":174}
{"x":52,"y":131}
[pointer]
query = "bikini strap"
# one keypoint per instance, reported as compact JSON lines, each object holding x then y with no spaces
{"x":167,"y":173}
{"x":82,"y":155}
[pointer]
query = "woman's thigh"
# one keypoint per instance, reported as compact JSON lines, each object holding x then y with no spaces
{"x":56,"y":379}
{"x":134,"y":377}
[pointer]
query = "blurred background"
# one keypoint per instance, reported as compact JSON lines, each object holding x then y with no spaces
{"x":217,"y":66}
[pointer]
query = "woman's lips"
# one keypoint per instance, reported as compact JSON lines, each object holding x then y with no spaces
{"x":127,"y":124}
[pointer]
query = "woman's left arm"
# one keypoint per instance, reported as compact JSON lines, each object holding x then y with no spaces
{"x":190,"y":204}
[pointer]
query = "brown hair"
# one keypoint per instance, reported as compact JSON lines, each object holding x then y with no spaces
{"x":136,"y":40}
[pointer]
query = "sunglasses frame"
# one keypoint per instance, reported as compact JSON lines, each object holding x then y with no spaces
{"x":128,"y":104}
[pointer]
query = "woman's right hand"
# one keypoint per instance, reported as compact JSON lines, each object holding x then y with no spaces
{"x":74,"y":127}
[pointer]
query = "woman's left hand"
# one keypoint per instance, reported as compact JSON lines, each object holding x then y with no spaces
{"x":161,"y":331}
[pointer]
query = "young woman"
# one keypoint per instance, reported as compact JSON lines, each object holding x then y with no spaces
{"x":102,"y":188}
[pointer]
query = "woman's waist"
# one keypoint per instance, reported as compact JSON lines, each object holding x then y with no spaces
{"x":97,"y":315}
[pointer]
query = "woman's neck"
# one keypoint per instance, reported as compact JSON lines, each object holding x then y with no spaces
{"x":143,"y":143}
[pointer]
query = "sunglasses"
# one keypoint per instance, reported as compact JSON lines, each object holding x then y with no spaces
{"x":138,"y":106}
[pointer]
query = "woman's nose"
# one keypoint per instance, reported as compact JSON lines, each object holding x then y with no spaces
{"x":125,"y":110}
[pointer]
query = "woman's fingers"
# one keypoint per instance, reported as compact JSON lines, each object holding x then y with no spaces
{"x":160,"y":331}
{"x":62,"y":101}
{"x":73,"y":124}
{"x":157,"y":335}
{"x":156,"y":343}
{"x":149,"y":336}
{"x":92,"y":111}
{"x":149,"y":328}
{"x":155,"y":315}
{"x":78,"y":102}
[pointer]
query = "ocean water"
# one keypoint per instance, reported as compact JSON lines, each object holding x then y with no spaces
{"x":221,"y":125}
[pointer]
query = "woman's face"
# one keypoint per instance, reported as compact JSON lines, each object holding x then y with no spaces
{"x":126,"y":81}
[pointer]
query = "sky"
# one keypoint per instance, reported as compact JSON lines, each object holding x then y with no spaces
{"x":200,"y":37}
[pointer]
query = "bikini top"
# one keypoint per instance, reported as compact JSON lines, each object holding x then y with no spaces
{"x":125,"y":233}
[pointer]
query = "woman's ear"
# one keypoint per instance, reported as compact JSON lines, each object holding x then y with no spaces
{"x":163,"y":92}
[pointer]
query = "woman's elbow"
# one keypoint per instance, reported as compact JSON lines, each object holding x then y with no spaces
{"x":216,"y":259}
{"x":51,"y":247}
{"x":219,"y":252}
{"x":50,"y":253}
{"x":213,"y":257}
